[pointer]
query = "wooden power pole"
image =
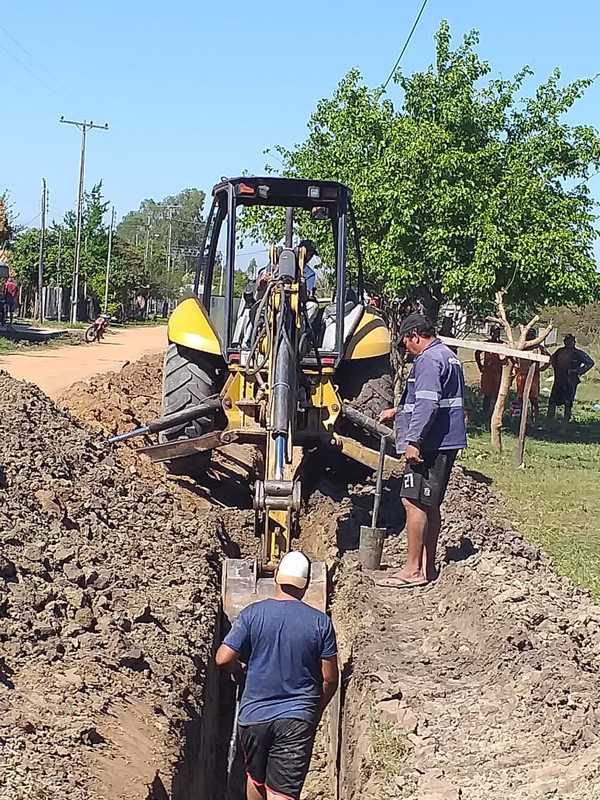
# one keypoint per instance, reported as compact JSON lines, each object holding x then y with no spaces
{"x":84,"y":126}
{"x":41,"y":255}
{"x":110,"y":239}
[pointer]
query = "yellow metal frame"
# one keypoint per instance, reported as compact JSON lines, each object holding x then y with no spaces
{"x":247,"y":397}
{"x":190,"y":326}
{"x":370,"y":339}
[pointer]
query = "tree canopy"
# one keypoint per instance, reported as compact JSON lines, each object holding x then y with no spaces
{"x":138,"y":263}
{"x":148,"y":228}
{"x":464,"y":187}
{"x":7,"y":226}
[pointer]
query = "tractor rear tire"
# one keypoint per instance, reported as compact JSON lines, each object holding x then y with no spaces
{"x":367,"y":385}
{"x":189,"y":378}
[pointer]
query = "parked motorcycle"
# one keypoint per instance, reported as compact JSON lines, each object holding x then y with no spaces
{"x":97,"y":329}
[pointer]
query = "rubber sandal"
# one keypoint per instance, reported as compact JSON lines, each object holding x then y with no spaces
{"x":399,"y":583}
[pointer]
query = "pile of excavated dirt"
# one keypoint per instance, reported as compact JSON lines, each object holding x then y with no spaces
{"x":481,"y":685}
{"x":108,"y":602}
{"x":117,"y":402}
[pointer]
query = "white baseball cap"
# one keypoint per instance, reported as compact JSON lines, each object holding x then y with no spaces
{"x":294,"y":569}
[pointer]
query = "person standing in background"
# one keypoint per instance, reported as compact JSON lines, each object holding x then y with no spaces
{"x":522,"y":368}
{"x":11,"y":293}
{"x":569,"y":364}
{"x":490,"y":366}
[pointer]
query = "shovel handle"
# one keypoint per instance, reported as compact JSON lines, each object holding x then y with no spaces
{"x":378,"y":485}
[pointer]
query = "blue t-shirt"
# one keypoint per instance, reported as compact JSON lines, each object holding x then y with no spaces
{"x":282,"y":642}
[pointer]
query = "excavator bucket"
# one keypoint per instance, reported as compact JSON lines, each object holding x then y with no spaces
{"x":243,"y":585}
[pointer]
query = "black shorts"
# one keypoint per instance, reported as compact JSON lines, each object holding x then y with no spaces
{"x":277,"y":754}
{"x":426,"y":483}
{"x":563,"y":393}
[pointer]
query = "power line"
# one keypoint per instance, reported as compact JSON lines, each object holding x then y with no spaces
{"x":26,"y":67}
{"x":29,"y":221}
{"x":406,"y":43}
{"x":16,"y":41}
{"x":39,"y":71}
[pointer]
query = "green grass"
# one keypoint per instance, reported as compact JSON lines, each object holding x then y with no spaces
{"x":65,"y":324}
{"x":388,"y":748}
{"x":51,"y":323}
{"x":7,"y":346}
{"x":555,"y":499}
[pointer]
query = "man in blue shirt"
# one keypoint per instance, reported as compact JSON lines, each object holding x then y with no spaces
{"x":291,"y":675}
{"x":430,"y":430}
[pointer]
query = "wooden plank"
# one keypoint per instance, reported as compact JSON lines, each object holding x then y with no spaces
{"x":493,"y":347}
{"x":364,"y":455}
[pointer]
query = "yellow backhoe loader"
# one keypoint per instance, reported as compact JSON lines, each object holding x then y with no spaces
{"x":278,"y":367}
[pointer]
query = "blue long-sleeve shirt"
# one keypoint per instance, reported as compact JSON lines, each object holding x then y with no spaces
{"x":431,"y":410}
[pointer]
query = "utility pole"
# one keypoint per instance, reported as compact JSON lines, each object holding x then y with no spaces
{"x":41,"y":257}
{"x":147,"y":241}
{"x":59,"y":258}
{"x":110,"y":238}
{"x":169,"y":244}
{"x":59,"y":276}
{"x":170,"y":209}
{"x":84,"y":126}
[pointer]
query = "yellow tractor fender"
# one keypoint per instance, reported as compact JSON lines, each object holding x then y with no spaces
{"x":370,"y":339}
{"x":190,"y":326}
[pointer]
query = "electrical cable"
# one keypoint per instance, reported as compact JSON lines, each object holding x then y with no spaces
{"x":39,"y":72}
{"x":406,"y":43}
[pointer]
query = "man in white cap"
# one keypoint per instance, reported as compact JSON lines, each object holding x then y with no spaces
{"x":290,"y":654}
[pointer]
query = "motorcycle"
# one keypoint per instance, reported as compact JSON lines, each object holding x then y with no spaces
{"x":97,"y":329}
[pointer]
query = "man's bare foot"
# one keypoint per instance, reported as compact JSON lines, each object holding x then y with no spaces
{"x":402,"y":578}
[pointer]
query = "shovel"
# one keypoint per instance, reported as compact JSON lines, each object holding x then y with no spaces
{"x":235,"y":777}
{"x":371,"y":538}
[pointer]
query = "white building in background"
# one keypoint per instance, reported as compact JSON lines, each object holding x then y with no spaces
{"x":471,"y":326}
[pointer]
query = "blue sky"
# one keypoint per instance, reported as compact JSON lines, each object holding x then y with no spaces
{"x":196,"y":90}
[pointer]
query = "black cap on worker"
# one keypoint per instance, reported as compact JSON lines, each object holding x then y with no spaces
{"x":416,"y":323}
{"x":309,"y":246}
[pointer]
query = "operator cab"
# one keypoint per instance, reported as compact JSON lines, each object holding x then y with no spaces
{"x":248,"y":223}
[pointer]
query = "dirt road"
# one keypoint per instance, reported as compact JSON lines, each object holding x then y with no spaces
{"x":53,"y":370}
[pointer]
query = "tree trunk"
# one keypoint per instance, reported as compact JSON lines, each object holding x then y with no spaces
{"x":430,"y":301}
{"x":498,"y":413}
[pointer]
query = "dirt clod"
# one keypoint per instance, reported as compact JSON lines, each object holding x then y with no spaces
{"x":108,"y":595}
{"x":496,"y":664}
{"x":483,"y":685}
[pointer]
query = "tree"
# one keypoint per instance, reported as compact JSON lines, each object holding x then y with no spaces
{"x":25,"y":253}
{"x":59,"y":260}
{"x":522,"y":343}
{"x":148,"y":228}
{"x":7,"y":226}
{"x":463,"y":189}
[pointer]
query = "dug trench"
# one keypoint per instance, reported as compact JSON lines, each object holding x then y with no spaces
{"x":483,"y":684}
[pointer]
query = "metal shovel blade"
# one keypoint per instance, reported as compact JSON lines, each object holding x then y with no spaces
{"x":242,"y":585}
{"x":370,"y":547}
